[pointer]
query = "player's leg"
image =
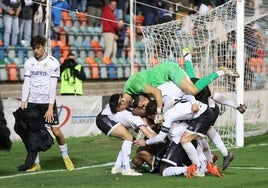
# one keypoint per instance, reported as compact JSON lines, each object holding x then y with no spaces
{"x":171,"y":163}
{"x":63,"y":147}
{"x":216,"y":139}
{"x":111,"y":128}
{"x":182,"y":79}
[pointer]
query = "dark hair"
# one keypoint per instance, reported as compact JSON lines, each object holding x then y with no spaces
{"x":113,"y":102}
{"x":70,"y":54}
{"x":151,"y":107}
{"x":38,"y":40}
{"x":137,"y":99}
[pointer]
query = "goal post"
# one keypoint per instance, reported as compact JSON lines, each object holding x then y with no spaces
{"x":240,"y":7}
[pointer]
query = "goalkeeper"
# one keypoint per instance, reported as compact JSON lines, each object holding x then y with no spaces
{"x":145,"y":82}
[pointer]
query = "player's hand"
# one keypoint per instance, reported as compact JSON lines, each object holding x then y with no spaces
{"x":159,"y":117}
{"x":195,"y":108}
{"x":49,"y":118}
{"x":139,"y":142}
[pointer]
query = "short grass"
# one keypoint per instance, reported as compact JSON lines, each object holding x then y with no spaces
{"x":249,"y":168}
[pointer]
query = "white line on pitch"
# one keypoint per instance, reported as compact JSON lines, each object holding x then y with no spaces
{"x":111,"y":163}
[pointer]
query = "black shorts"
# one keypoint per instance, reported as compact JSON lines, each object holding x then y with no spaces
{"x":216,"y":112}
{"x":42,"y":108}
{"x":105,"y":124}
{"x":175,"y":156}
{"x":201,"y":125}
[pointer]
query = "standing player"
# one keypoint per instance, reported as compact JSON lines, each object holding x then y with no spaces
{"x":145,"y":82}
{"x":39,"y":90}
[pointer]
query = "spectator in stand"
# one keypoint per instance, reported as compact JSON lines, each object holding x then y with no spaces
{"x":57,"y":7}
{"x":25,"y":21}
{"x":220,"y":2}
{"x":164,"y":13}
{"x":72,"y":77}
{"x":119,"y":9}
{"x":94,"y":11}
{"x":121,"y":38}
{"x":77,"y":5}
{"x":11,"y":11}
{"x":149,"y":11}
{"x":110,"y":29}
{"x":39,"y":17}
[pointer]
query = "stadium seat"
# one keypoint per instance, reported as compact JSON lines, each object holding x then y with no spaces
{"x":103,"y":71}
{"x":82,"y":18}
{"x":82,"y":53}
{"x":71,"y":37}
{"x":62,"y":35}
{"x":21,"y":71}
{"x":2,"y":52}
{"x":136,"y":67}
{"x":127,"y":70}
{"x":56,"y":52}
{"x":11,"y":51}
{"x":64,"y":50}
{"x":94,"y":68}
{"x":111,"y":69}
{"x":12,"y":72}
{"x":90,"y":60}
{"x":87,"y":70}
{"x":119,"y":70}
{"x":3,"y":72}
{"x":80,"y":60}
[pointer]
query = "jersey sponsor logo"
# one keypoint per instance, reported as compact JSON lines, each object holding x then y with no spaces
{"x":39,"y":73}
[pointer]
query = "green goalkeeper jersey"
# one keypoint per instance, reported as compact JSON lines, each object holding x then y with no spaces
{"x":162,"y":73}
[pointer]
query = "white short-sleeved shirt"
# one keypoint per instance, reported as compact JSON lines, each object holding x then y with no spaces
{"x":125,"y":117}
{"x":40,"y":72}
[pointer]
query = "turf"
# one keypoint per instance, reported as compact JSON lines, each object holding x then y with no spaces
{"x":248,"y":169}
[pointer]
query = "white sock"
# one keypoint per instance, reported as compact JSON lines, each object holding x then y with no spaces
{"x":206,"y":149}
{"x":119,"y":160}
{"x":174,"y":171}
{"x":64,"y":150}
{"x":188,"y":57}
{"x":202,"y":158}
{"x":220,"y":98}
{"x":126,"y":150}
{"x":216,"y":139}
{"x":192,"y":153}
{"x":37,"y":161}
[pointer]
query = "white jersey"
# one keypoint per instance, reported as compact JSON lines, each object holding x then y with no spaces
{"x":125,"y":117}
{"x":40,"y":72}
{"x":181,"y":110}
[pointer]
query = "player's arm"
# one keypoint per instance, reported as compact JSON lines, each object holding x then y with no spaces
{"x":147,"y":131}
{"x":25,"y":86}
{"x":158,"y":99}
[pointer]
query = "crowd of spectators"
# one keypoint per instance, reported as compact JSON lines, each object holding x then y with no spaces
{"x":23,"y":19}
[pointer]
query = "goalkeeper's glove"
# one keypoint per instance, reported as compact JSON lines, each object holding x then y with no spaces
{"x":159,"y":117}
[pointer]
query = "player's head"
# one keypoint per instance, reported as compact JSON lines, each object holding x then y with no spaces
{"x":141,"y":101}
{"x":151,"y":108}
{"x":38,"y":44}
{"x":117,"y":103}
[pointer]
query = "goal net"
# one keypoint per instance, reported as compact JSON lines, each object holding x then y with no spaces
{"x":214,"y":36}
